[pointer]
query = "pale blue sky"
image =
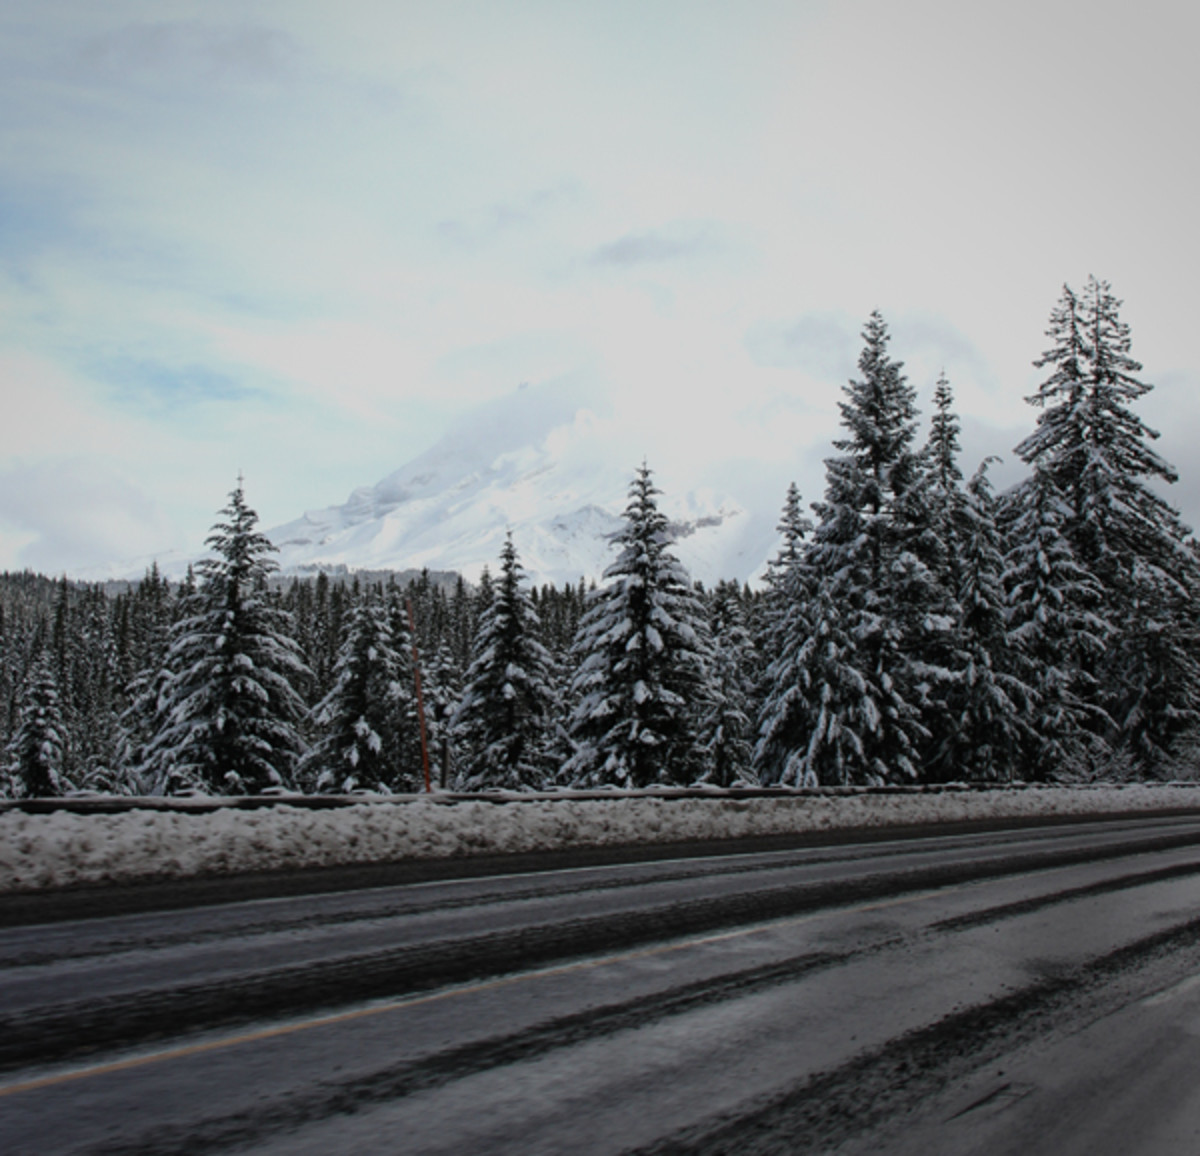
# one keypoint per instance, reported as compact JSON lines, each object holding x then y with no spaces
{"x":298,"y":238}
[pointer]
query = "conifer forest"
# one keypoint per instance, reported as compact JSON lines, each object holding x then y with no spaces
{"x":914,"y":626}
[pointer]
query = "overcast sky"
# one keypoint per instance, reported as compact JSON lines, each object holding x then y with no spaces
{"x":299,"y":238}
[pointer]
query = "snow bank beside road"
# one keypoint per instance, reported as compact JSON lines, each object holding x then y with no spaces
{"x":65,"y":849}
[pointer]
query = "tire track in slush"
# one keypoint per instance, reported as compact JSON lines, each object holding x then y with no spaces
{"x":907,"y":1068}
{"x":60,"y":1032}
{"x":520,"y":887}
{"x":852,"y":1100}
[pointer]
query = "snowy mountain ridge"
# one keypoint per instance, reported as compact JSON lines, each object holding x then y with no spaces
{"x":538,"y":463}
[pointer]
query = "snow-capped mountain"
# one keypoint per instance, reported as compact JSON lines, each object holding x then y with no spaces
{"x":540,"y":463}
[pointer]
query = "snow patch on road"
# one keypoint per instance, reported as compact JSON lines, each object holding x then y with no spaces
{"x":64,"y":849}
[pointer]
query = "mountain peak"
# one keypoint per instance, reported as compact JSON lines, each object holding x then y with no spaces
{"x":541,"y":462}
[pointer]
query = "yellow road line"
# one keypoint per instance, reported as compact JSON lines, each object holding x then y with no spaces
{"x":375,"y":1009}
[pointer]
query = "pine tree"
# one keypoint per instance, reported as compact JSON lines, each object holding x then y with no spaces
{"x":482,"y":600}
{"x":228,"y":713}
{"x":980,"y":725}
{"x":787,"y":579}
{"x":323,"y":640}
{"x":845,"y":704}
{"x":8,"y":683}
{"x":644,"y":659}
{"x":1056,"y":619}
{"x":408,"y":753}
{"x":793,"y":528}
{"x":785,"y":623}
{"x":38,"y":747}
{"x":971,"y":702}
{"x":505,"y":717}
{"x":938,"y":503}
{"x":461,"y":625}
{"x":97,"y":735}
{"x":442,"y":680}
{"x":1096,"y":452}
{"x":933,"y":521}
{"x":360,"y":718}
{"x":727,"y":730}
{"x":151,"y":615}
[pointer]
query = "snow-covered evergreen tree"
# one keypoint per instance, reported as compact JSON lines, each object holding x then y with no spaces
{"x":229,"y":709}
{"x":937,"y":503}
{"x":482,"y":599}
{"x":784,"y":624}
{"x":932,"y":521}
{"x":37,"y":748}
{"x":505,"y":718}
{"x":1096,"y":452}
{"x":728,"y":730}
{"x":148,"y":643}
{"x":786,"y":580}
{"x":442,"y":682}
{"x":359,"y":720}
{"x":409,"y":755}
{"x":980,"y":723}
{"x":845,"y":705}
{"x":954,"y":616}
{"x":793,"y":528}
{"x":1056,"y":618}
{"x":461,"y":623}
{"x":942,"y":448}
{"x":643,"y":680}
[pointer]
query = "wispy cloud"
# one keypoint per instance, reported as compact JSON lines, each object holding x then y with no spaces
{"x":655,"y":247}
{"x":505,"y":216}
{"x":70,"y":513}
{"x":187,"y":52}
{"x":145,"y":382}
{"x":821,"y":344}
{"x":931,"y":345}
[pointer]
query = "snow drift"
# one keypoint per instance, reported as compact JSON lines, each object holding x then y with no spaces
{"x":60,"y":848}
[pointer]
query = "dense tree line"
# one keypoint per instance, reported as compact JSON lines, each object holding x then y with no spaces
{"x":918,"y":627}
{"x":924,"y":629}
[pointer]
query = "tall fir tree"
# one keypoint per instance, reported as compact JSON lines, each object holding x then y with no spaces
{"x":794,"y":528}
{"x":359,"y":721}
{"x":442,"y":683}
{"x":784,"y":624}
{"x":727,"y":731}
{"x":845,"y":706}
{"x":153,"y":611}
{"x":38,"y":748}
{"x":460,"y":625}
{"x":980,"y":725}
{"x":973,"y":701}
{"x":643,"y":679}
{"x":504,"y":721}
{"x":787,"y":580}
{"x":938,"y":502}
{"x":1057,"y":621}
{"x":1096,"y":452}
{"x":229,"y":709}
{"x":409,"y":655}
{"x":932,"y":521}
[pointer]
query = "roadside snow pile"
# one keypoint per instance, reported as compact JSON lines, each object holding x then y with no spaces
{"x":64,"y":849}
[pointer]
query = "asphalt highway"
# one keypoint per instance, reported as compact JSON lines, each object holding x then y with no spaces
{"x":1032,"y":990}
